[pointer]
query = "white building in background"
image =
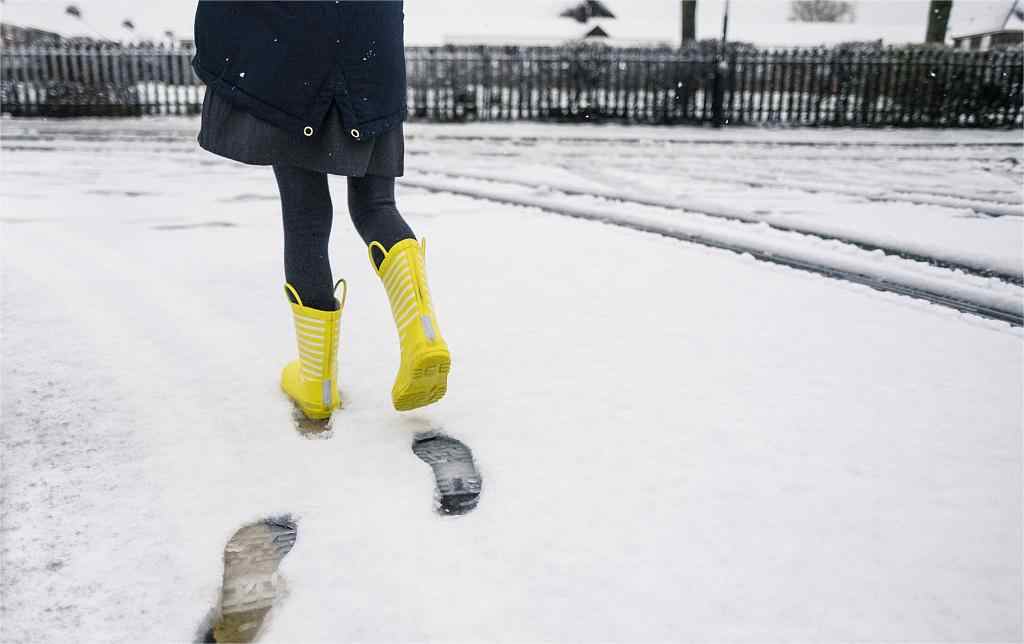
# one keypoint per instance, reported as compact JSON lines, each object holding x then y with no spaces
{"x":989,"y":40}
{"x":989,"y":31}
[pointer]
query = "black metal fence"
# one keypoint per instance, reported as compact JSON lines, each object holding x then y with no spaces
{"x":876,"y":87}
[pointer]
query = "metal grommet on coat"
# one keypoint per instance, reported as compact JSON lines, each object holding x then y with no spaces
{"x":308,"y":131}
{"x":354,"y":133}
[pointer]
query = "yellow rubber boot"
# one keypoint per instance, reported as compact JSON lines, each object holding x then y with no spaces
{"x":312,"y":380}
{"x":423,"y":375}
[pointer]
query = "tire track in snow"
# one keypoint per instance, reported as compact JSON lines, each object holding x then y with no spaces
{"x":711,"y":142}
{"x":837,"y":169}
{"x":989,"y":304}
{"x":761,"y":154}
{"x":913,"y":195}
{"x":720,"y":212}
{"x":834,"y":178}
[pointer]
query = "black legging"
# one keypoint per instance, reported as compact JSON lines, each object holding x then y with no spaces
{"x":307,"y":213}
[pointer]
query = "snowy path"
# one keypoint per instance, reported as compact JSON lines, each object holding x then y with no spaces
{"x":678,"y":442}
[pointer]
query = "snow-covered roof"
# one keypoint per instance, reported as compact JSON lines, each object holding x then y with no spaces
{"x":982,"y":17}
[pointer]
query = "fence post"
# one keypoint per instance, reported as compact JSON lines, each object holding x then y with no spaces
{"x":718,"y":89}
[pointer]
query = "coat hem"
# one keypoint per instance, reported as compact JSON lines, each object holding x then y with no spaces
{"x":289,"y":122}
{"x":233,"y":155}
{"x":233,"y":150}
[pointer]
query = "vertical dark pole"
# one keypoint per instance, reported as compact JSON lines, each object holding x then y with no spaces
{"x":721,"y":68}
{"x":689,"y":21}
{"x":938,"y":20}
{"x":725,"y":23}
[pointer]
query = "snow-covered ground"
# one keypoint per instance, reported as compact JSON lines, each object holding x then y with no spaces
{"x":677,"y":442}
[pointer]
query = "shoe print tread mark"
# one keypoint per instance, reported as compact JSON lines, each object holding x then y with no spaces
{"x":458,"y":482}
{"x":251,"y":583}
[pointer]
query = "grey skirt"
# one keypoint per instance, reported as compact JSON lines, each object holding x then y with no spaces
{"x":230,"y":132}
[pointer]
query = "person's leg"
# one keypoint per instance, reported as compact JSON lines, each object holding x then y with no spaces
{"x":311,"y":380}
{"x":371,"y":203}
{"x":307,"y":212}
{"x":398,"y":259}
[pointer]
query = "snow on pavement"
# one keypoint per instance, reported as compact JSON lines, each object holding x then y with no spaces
{"x":919,"y":192}
{"x":1000,"y":297}
{"x":677,"y":442}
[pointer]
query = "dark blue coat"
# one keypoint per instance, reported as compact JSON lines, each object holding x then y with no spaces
{"x":284,"y":62}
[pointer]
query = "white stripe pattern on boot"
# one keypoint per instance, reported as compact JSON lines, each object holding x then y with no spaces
{"x":401,"y":289}
{"x":313,"y":343}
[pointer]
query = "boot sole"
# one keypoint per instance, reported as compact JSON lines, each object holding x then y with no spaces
{"x":428,"y":384}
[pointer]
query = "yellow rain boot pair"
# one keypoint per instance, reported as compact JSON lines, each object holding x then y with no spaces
{"x":423,"y":374}
{"x":312,"y":380}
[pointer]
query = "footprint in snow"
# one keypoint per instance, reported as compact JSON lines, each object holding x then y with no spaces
{"x":458,"y":482}
{"x":251,"y":583}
